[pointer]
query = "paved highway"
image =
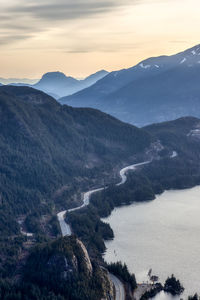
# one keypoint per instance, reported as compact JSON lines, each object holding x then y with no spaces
{"x":123,"y":171}
{"x":66,"y":230}
{"x":119,"y":287}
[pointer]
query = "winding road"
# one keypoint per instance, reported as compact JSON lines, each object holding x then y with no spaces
{"x":119,"y":287}
{"x":66,"y":229}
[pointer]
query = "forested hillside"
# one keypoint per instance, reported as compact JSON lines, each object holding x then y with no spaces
{"x":49,"y":154}
{"x":47,"y":148}
{"x":177,"y":167}
{"x":58,"y":270}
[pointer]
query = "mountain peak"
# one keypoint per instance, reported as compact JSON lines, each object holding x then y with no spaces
{"x":155,"y":90}
{"x":54,"y":74}
{"x":57,"y":84}
{"x":58,"y":76}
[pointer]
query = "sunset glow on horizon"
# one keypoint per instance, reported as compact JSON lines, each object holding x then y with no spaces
{"x":83,"y":36}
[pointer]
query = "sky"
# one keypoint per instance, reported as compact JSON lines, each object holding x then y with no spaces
{"x":79,"y":37}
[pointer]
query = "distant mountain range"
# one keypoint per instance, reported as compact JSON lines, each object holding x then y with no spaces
{"x":57,"y":84}
{"x":17,"y":81}
{"x":155,"y":90}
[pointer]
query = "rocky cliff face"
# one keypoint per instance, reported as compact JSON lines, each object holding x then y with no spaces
{"x":64,"y":265}
{"x":63,"y":259}
{"x":86,"y":258}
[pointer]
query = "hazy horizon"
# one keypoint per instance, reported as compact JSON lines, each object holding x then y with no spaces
{"x":82,"y":38}
{"x":35,"y":79}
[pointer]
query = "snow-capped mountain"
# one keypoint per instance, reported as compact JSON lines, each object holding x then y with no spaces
{"x":188,"y":57}
{"x":157,"y":89}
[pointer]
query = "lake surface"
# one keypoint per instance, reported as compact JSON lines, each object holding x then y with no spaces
{"x":163,"y":234}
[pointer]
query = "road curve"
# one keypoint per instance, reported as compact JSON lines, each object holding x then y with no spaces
{"x":119,"y":287}
{"x":123,"y":171}
{"x":65,"y":227}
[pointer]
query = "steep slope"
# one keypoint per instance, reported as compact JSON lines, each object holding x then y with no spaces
{"x":46,"y":147}
{"x":155,"y":90}
{"x":64,"y":265}
{"x":58,"y":270}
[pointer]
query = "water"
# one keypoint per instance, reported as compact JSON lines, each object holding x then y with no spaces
{"x":163,"y":234}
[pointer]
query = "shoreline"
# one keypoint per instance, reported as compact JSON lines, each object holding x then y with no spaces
{"x":65,"y":227}
{"x":164,"y":201}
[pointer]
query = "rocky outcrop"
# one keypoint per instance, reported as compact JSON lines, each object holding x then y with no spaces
{"x":85,"y":257}
{"x":60,"y":260}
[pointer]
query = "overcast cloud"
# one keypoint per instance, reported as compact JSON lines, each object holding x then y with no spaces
{"x":25,"y":18}
{"x":81,"y":36}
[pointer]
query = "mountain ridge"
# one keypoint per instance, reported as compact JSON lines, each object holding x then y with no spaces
{"x":127,"y":93}
{"x":57,"y":84}
{"x":52,"y":145}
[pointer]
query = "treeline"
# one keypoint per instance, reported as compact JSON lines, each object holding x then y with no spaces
{"x":141,"y":185}
{"x":49,"y":153}
{"x":121,"y":271}
{"x":56,"y":271}
{"x":156,"y":289}
{"x":194,"y":297}
{"x":61,"y":268}
{"x":87,"y":225}
{"x":147,"y":181}
{"x":171,"y":286}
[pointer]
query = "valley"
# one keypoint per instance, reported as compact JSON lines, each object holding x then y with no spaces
{"x":99,"y":150}
{"x":46,"y":145}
